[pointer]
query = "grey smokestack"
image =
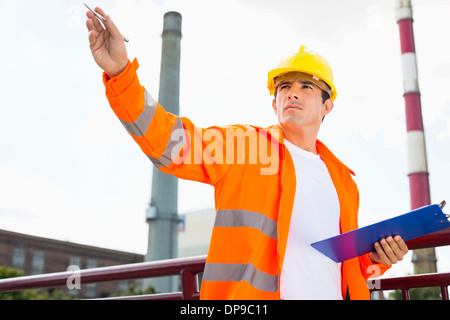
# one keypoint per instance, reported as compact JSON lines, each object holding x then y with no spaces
{"x":162,"y":214}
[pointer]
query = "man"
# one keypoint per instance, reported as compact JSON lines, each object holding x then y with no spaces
{"x":277,"y":189}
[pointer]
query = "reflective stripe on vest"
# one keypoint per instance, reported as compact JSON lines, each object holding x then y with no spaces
{"x":241,"y":271}
{"x":245,"y":218}
{"x":173,"y":147}
{"x":235,"y":272}
{"x":139,"y":127}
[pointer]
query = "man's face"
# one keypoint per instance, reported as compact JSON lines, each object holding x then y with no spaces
{"x":299,"y":103}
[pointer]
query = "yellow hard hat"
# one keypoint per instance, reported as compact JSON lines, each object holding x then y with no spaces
{"x":305,"y":61}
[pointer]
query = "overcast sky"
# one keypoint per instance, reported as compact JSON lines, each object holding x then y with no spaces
{"x":69,"y":170}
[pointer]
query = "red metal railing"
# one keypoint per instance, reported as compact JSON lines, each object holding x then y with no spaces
{"x":441,"y":280}
{"x":188,"y":268}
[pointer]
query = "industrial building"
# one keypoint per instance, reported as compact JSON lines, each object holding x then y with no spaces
{"x":34,"y":255}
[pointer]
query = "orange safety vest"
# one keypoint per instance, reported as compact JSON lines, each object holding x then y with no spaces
{"x":254,"y":181}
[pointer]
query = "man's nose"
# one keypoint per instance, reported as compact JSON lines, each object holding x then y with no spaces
{"x":293,"y":94}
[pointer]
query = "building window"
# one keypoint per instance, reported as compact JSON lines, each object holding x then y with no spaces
{"x":91,"y":288}
{"x":182,"y":223}
{"x":91,"y":263}
{"x":123,"y":286}
{"x":75,"y":261}
{"x":38,"y":262}
{"x":139,"y":285}
{"x":18,"y":259}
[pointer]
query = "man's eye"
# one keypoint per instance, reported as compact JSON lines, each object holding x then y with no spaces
{"x":307,"y":86}
{"x":284,"y":86}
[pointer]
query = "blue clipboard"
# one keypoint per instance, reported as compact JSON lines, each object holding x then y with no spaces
{"x":358,"y":242}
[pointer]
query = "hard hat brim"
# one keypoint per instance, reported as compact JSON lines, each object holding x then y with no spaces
{"x":279,"y":71}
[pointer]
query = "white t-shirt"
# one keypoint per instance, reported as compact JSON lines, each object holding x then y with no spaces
{"x":307,"y":273}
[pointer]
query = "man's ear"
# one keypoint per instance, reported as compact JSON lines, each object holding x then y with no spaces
{"x":274,"y":106}
{"x":327,"y":107}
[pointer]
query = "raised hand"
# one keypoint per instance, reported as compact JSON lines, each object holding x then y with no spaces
{"x":106,"y":44}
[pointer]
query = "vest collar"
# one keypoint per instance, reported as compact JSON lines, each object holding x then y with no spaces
{"x":277,"y":133}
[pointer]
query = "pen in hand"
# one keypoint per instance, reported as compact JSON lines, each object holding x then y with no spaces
{"x":102,"y":19}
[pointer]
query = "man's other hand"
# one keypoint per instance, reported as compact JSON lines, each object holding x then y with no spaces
{"x":389,"y":251}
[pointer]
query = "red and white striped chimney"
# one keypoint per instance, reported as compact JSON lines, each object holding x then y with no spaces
{"x":417,"y":157}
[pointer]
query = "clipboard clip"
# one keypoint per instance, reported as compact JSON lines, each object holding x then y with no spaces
{"x":442,"y":205}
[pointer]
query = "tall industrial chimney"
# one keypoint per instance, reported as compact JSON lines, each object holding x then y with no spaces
{"x":162,"y":213}
{"x":424,"y":260}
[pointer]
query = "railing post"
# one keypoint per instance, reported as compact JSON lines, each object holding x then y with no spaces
{"x":444,"y":293}
{"x":405,"y":294}
{"x":188,"y":284}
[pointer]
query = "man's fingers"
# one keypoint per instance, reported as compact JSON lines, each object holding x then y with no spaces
{"x":401,"y":244}
{"x":392,"y":245}
{"x":396,"y":248}
{"x":390,"y":250}
{"x":92,"y":38}
{"x":400,"y":248}
{"x":382,"y":257}
{"x":109,"y":24}
{"x":386,"y":244}
{"x":94,"y":22}
{"x":89,"y":22}
{"x":97,"y":24}
{"x":90,"y":25}
{"x":100,"y":10}
{"x":93,"y":34}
